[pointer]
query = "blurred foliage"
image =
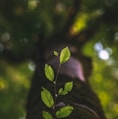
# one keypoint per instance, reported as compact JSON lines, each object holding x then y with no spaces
{"x":104,"y":78}
{"x":14,"y":84}
{"x":21,"y":22}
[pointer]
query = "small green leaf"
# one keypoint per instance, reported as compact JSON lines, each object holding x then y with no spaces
{"x":60,"y":91}
{"x":47,"y":98}
{"x":56,"y":53}
{"x":49,"y":72}
{"x":46,"y":115}
{"x":64,"y":112}
{"x":67,"y":88}
{"x":64,"y":55}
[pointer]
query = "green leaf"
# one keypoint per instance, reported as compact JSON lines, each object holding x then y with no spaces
{"x":47,"y":98}
{"x":46,"y":115}
{"x":64,"y":55}
{"x":64,"y":112}
{"x":49,"y":72}
{"x":60,"y":91}
{"x":56,"y":53}
{"x":67,"y":88}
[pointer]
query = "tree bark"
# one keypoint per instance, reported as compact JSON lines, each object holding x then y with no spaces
{"x":85,"y":102}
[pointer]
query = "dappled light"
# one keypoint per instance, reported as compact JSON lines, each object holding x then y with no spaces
{"x":103,"y":54}
{"x":104,"y":76}
{"x":98,"y":46}
{"x":80,"y":23}
{"x":5,"y":36}
{"x":31,"y":66}
{"x":13,"y":89}
{"x":33,"y":4}
{"x":29,"y":26}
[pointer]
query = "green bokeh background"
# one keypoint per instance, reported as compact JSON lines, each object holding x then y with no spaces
{"x":20,"y":23}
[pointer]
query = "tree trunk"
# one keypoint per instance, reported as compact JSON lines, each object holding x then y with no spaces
{"x":85,"y":102}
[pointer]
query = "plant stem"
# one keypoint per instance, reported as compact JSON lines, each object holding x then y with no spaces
{"x":55,"y":87}
{"x":57,"y":72}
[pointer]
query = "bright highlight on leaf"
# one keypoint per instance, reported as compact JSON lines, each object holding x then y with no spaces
{"x":47,"y":115}
{"x":67,"y":88}
{"x":47,"y":98}
{"x":56,"y":53}
{"x":64,"y":112}
{"x":49,"y":72}
{"x":64,"y":55}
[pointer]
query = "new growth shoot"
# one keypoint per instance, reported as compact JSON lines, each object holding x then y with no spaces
{"x":46,"y":96}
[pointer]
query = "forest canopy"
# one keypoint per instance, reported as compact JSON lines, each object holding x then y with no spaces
{"x":90,"y":25}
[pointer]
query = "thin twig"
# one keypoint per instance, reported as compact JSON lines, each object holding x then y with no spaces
{"x":55,"y":87}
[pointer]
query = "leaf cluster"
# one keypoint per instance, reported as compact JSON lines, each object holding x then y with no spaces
{"x":46,"y":95}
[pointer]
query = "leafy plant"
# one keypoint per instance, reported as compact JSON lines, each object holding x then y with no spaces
{"x":46,"y":95}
